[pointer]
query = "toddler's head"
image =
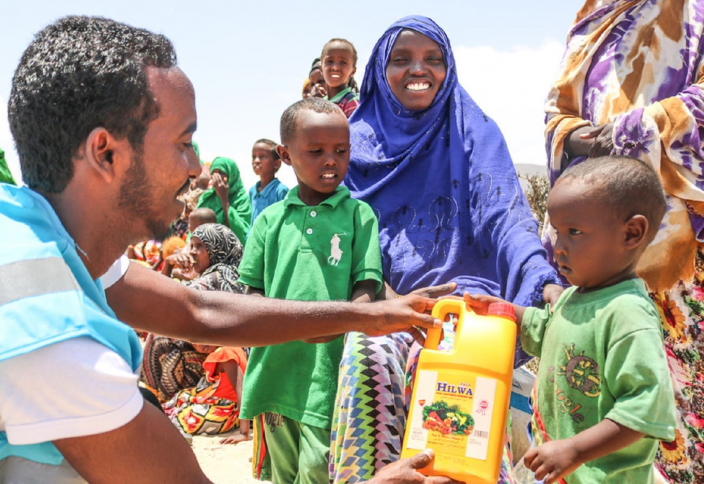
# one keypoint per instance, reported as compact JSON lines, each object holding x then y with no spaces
{"x":201,"y":216}
{"x":315,"y":139}
{"x":265,"y":159}
{"x":339,"y":63}
{"x":605,"y":212}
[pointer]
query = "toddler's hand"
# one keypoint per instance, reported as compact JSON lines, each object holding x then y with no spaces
{"x":480,"y":303}
{"x":553,"y":460}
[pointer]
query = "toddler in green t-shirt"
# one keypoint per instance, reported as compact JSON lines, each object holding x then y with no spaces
{"x":317,"y":245}
{"x":603,"y":395}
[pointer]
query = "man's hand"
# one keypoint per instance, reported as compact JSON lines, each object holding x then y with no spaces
{"x":406,"y":313}
{"x":551,"y":293}
{"x":405,"y":472}
{"x":553,"y":460}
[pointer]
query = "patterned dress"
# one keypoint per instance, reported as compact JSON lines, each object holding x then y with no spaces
{"x":638,"y":65}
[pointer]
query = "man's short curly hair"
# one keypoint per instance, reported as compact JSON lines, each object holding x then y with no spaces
{"x":78,"y":74}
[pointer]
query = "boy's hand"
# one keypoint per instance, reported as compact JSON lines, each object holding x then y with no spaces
{"x":553,"y":460}
{"x":551,"y":293}
{"x":480,"y":303}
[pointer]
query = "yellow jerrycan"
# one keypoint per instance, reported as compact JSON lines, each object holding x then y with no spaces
{"x":461,"y":397}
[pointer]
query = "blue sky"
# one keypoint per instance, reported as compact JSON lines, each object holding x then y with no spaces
{"x":247,"y":60}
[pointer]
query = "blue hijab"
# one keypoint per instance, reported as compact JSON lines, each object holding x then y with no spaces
{"x":442,"y":183}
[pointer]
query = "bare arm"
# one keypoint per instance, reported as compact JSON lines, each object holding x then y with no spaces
{"x":363,"y":292}
{"x":560,"y":458}
{"x":150,"y":302}
{"x":147,"y":449}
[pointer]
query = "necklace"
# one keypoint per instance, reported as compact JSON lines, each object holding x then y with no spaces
{"x":82,"y":251}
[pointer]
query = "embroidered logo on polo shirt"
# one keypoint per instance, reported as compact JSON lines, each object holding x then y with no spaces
{"x":335,"y":251}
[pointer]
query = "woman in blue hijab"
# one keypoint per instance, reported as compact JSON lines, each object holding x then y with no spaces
{"x":438,"y":174}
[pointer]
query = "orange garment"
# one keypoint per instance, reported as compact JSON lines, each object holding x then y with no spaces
{"x":223,"y":355}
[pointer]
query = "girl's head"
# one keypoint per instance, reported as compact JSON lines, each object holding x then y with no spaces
{"x":339,"y":63}
{"x":265,"y":159}
{"x":199,"y":254}
{"x":416,"y":69}
{"x":213,"y":244}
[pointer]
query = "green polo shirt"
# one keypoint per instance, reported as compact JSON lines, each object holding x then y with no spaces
{"x":298,"y":252}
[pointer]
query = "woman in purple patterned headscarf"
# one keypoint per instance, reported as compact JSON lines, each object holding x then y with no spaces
{"x":632,"y":83}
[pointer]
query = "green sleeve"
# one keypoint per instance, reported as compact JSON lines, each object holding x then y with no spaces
{"x":252,"y":265}
{"x":238,"y":225}
{"x":638,"y":376}
{"x":533,"y":329}
{"x":5,"y":174}
{"x":366,"y":253}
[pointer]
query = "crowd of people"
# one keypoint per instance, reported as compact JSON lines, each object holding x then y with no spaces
{"x":294,"y":316}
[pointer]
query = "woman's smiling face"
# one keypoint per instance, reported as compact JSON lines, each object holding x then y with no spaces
{"x":415,"y":70}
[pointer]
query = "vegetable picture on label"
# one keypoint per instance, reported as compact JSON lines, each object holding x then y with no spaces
{"x":447,"y":419}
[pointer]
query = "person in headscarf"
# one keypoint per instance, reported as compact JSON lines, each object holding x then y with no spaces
{"x":224,"y":253}
{"x":632,"y":83}
{"x":171,"y":365}
{"x":5,"y":174}
{"x":439,"y":176}
{"x":228,"y":198}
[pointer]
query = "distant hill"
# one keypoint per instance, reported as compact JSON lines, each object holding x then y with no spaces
{"x":529,"y":169}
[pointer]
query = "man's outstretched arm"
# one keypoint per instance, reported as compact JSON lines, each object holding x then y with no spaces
{"x":151,"y":302}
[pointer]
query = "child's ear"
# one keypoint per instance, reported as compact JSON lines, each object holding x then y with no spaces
{"x":277,"y":164}
{"x":636,"y":229}
{"x":284,"y":154}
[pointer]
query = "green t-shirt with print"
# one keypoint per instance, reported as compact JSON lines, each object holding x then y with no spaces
{"x":602,"y":356}
{"x":305,"y":253}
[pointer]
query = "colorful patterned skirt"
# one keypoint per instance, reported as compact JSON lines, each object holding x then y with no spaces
{"x":197,"y":411}
{"x":682,"y":314}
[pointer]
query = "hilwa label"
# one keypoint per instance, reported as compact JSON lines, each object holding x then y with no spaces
{"x":484,"y":395}
{"x":442,"y":413}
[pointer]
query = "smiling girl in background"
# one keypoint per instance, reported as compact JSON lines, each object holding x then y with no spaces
{"x":339,"y":63}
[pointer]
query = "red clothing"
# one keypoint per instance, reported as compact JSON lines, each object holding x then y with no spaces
{"x":222,"y":355}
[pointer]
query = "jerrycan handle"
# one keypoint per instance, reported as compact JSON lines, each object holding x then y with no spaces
{"x":440,"y":310}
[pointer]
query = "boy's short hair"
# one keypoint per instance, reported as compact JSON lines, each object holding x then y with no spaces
{"x":205,"y":215}
{"x":271,"y":144}
{"x":315,"y":104}
{"x":627,"y":185}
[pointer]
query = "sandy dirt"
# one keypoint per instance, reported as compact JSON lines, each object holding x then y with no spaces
{"x":224,"y":464}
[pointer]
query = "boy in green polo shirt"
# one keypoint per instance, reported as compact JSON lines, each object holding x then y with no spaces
{"x":603,"y":396}
{"x":317,"y":245}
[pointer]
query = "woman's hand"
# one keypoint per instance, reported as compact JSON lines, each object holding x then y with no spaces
{"x":405,"y":471}
{"x":222,"y":189}
{"x":433,"y":291}
{"x":182,"y":260}
{"x":551,"y":293}
{"x":590,"y":141}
